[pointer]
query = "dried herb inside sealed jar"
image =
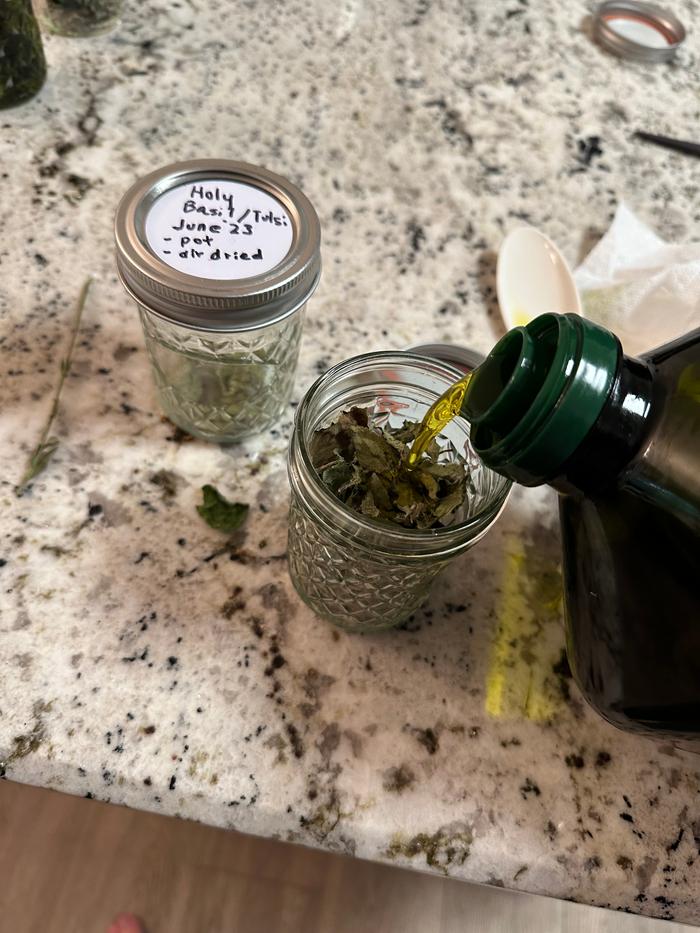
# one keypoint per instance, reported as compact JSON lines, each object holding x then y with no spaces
{"x":78,"y":17}
{"x":22,"y":62}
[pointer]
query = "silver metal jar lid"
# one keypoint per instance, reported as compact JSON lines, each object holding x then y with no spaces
{"x":638,"y":31}
{"x":218,"y":245}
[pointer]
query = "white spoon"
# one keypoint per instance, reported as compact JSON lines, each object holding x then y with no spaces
{"x":532,"y":278}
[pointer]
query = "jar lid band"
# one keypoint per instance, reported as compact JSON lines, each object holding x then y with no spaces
{"x":637,"y":30}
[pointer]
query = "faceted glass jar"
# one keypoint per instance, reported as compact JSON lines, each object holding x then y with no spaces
{"x":223,"y":386}
{"x":358,"y":573}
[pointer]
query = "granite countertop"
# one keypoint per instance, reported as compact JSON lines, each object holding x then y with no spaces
{"x":137,"y":660}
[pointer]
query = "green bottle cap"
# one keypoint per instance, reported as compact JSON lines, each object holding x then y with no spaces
{"x":538,"y":394}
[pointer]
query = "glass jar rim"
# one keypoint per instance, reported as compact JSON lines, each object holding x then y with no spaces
{"x":385,"y":537}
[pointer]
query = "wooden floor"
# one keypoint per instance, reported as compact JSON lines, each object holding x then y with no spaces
{"x":68,"y":865}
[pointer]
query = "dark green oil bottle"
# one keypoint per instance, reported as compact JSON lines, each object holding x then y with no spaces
{"x":22,"y":62}
{"x":558,"y":402}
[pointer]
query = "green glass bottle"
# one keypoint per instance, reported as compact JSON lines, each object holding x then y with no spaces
{"x":22,"y":62}
{"x":558,"y":402}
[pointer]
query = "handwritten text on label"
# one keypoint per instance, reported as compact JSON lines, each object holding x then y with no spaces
{"x":252,"y":232}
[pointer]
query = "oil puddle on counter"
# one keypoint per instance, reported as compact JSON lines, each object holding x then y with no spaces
{"x":526,"y":675}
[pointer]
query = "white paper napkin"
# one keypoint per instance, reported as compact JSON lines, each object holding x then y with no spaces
{"x":645,"y":290}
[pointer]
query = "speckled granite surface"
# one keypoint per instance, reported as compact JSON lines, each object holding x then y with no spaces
{"x":139,"y":666}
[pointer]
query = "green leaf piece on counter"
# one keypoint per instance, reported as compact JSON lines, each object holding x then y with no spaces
{"x":366,"y":468}
{"x":219,"y":513}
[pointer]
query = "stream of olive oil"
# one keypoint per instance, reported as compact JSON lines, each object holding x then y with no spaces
{"x":438,"y":416}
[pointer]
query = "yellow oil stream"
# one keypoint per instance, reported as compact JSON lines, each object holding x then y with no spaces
{"x":447,"y":407}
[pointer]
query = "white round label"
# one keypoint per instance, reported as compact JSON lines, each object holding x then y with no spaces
{"x":219,"y":229}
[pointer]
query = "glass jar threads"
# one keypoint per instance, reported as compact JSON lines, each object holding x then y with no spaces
{"x":221,"y":258}
{"x":357,"y":572}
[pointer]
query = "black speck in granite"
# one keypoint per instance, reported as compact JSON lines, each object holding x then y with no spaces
{"x":529,"y":787}
{"x":416,"y":238}
{"x":122,"y":352}
{"x":451,"y":124}
{"x":602,"y":759}
{"x":627,"y":817}
{"x":167,"y":481}
{"x":421,"y":10}
{"x":575,"y":761}
{"x":142,"y":656}
{"x":171,"y":785}
{"x":397,"y":780}
{"x":588,"y":149}
{"x":94,"y":510}
{"x":428,"y":738}
{"x":90,"y":121}
{"x":80,"y":185}
{"x":275,"y":664}
{"x":295,"y":740}
{"x":234,"y":603}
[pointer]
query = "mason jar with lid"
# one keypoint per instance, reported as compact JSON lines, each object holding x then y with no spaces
{"x":363,"y":574}
{"x":221,"y":258}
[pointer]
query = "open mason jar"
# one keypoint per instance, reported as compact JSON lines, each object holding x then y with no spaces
{"x":359,"y":573}
{"x":221,"y":258}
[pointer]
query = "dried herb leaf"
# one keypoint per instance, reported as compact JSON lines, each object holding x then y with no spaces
{"x":219,"y":513}
{"x":46,"y":446}
{"x":39,"y":459}
{"x":366,"y":468}
{"x":373,"y":453}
